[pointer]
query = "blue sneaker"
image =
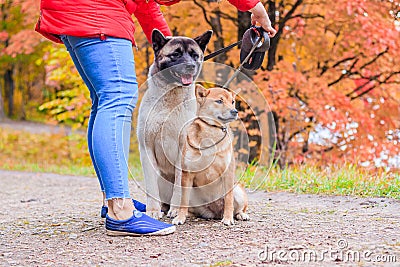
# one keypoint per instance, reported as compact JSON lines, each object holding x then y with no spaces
{"x":138,"y":205}
{"x":104,"y":211}
{"x":139,"y":224}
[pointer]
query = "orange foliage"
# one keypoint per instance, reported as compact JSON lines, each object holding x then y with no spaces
{"x":336,"y":89}
{"x":334,"y":79}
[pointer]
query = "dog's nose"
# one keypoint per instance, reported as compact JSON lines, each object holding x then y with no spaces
{"x":234,"y":112}
{"x":190,"y":66}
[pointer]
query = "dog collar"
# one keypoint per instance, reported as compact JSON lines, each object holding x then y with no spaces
{"x":223,"y":128}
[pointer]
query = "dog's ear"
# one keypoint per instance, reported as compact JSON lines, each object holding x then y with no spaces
{"x":201,"y":91}
{"x":158,"y":40}
{"x":204,"y":39}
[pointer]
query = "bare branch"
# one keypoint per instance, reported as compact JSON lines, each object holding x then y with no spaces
{"x":228,"y":17}
{"x":289,"y":14}
{"x":298,"y":132}
{"x":205,"y":16}
{"x":375,"y":58}
{"x":307,"y":16}
{"x":345,"y":74}
{"x":325,"y":67}
{"x":378,"y":82}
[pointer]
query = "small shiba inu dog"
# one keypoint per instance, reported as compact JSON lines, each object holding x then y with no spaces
{"x":208,"y":162}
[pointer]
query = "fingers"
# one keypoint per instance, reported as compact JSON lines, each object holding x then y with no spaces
{"x":260,"y":15}
{"x":271,"y":31}
{"x":264,"y":23}
{"x":253,"y":20}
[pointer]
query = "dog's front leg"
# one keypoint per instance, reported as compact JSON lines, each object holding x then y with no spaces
{"x":228,"y":209}
{"x":228,"y":179}
{"x":187,"y":185}
{"x":176,"y":194}
{"x":240,"y":203}
{"x":151,"y":176}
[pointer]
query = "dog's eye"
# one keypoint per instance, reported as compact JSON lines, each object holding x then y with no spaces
{"x":176,"y":54}
{"x":219,"y":101}
{"x":195,"y":56}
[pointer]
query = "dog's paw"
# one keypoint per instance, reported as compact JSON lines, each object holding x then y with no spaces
{"x":179,"y":220}
{"x":241,"y":216}
{"x":156,"y":214}
{"x":228,"y":221}
{"x":172,"y":213}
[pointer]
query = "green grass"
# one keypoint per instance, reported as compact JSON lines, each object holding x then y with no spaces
{"x":222,"y":263}
{"x":53,"y":153}
{"x":332,"y":180}
{"x":42,"y":167}
{"x":67,"y":154}
{"x":77,"y":170}
{"x":135,"y":171}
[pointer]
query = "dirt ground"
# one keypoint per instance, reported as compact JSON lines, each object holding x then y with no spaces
{"x":53,"y":220}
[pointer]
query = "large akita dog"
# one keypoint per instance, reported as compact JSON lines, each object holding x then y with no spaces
{"x":167,"y":106}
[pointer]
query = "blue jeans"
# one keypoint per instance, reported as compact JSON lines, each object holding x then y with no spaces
{"x":108,"y":69}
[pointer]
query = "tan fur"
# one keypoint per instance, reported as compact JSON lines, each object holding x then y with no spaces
{"x":208,"y":175}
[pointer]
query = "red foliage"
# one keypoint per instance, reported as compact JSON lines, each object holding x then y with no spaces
{"x":336,"y":87}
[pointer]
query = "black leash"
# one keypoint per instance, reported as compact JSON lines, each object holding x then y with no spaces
{"x":229,"y":47}
{"x":239,"y":69}
{"x":222,"y":50}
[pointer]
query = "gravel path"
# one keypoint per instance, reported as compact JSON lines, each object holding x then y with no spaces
{"x":53,"y":220}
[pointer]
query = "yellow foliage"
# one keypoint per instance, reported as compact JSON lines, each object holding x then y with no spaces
{"x":44,"y":148}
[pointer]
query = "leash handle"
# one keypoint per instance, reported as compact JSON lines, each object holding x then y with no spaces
{"x":222,"y":50}
{"x":259,"y":32}
{"x":244,"y":62}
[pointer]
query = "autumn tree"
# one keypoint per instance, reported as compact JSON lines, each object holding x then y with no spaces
{"x":331,"y":75}
{"x":332,"y":78}
{"x":18,"y":42}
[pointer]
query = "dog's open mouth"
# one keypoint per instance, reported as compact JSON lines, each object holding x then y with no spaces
{"x":185,"y":78}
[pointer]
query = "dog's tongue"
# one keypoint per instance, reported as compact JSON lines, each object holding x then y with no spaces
{"x":186,"y":79}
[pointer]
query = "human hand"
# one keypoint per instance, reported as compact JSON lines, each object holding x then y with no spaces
{"x":259,"y":14}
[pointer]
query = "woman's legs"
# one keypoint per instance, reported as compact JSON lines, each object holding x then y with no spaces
{"x":108,"y":69}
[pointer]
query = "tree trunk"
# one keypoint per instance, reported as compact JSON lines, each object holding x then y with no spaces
{"x":219,"y":42}
{"x":274,"y":41}
{"x":216,"y":25}
{"x":275,"y":144}
{"x":2,"y":113}
{"x":244,"y":22}
{"x":3,"y":8}
{"x":23,"y":83}
{"x":9,"y":89}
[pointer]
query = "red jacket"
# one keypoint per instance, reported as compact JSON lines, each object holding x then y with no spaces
{"x":244,"y":5}
{"x":88,"y":18}
{"x":101,"y":18}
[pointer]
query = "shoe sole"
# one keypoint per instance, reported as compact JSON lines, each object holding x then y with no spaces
{"x":165,"y":231}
